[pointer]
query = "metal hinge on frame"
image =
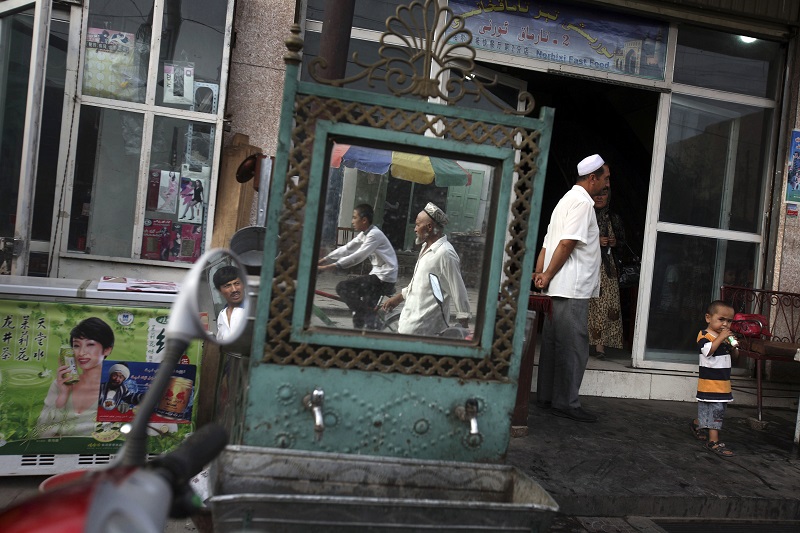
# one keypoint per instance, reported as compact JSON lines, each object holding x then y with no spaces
{"x":11,"y":246}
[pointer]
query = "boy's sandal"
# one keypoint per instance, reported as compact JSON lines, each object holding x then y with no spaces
{"x":718,"y":448}
{"x":698,"y":433}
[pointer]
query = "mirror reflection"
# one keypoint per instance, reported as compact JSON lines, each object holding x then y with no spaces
{"x":225,"y":302}
{"x":392,"y":222}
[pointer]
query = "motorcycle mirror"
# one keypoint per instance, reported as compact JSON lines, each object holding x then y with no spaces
{"x":217,"y":283}
{"x":436,"y":288}
{"x":213,"y":278}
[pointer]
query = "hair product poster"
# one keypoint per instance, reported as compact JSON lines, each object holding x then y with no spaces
{"x":168,"y":192}
{"x":110,"y":66}
{"x":194,"y":187}
{"x":179,"y":83}
{"x":54,"y":361}
{"x":156,"y":238}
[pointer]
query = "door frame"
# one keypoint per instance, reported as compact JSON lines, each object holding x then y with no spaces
{"x":42,"y":10}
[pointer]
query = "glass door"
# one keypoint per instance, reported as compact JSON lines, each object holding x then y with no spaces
{"x":24,"y":31}
{"x":717,"y":140}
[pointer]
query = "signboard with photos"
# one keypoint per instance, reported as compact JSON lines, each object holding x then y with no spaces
{"x":72,"y":374}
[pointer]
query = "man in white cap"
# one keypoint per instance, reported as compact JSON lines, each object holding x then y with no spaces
{"x":421,"y":313}
{"x":115,"y":393}
{"x":568,"y":270}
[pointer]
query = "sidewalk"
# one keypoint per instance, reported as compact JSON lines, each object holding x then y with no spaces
{"x":639,"y":460}
{"x":642,"y":460}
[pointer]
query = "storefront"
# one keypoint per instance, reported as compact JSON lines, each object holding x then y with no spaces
{"x":111,"y":151}
{"x":692,"y":111}
{"x":130,"y":99}
{"x":111,"y":116}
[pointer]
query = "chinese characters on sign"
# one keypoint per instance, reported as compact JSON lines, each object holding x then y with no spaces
{"x":71,"y":374}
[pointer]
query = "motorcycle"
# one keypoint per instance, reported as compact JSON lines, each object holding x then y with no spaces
{"x":132,"y":494}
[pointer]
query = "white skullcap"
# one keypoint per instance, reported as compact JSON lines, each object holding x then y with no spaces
{"x":439,"y":216}
{"x":122,"y":369}
{"x":590,"y":164}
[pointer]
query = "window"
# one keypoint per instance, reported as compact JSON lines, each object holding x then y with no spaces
{"x":146,"y":138}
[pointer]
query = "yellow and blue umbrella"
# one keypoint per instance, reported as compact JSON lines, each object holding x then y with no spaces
{"x":401,"y":165}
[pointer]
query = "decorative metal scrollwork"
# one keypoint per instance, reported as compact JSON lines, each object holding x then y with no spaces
{"x":425,"y":52}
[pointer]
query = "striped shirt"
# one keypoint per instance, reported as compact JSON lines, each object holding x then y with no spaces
{"x":714,"y":384}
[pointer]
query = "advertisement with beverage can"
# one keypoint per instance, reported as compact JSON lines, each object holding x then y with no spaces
{"x":71,"y":375}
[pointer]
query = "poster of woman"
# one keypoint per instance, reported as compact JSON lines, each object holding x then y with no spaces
{"x":55,"y":363}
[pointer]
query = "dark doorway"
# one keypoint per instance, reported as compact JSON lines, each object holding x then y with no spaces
{"x":615,"y":121}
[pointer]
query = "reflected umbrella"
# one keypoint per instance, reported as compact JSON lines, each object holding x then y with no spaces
{"x":416,"y":168}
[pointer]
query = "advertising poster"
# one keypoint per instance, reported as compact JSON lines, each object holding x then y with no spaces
{"x":55,"y":361}
{"x":793,"y":175}
{"x":572,"y":35}
{"x":186,"y":242}
{"x":156,"y":238}
{"x":110,"y":67}
{"x":124,"y":383}
{"x":168,"y":192}
{"x":153,"y":189}
{"x":179,"y":83}
{"x":193,"y":197}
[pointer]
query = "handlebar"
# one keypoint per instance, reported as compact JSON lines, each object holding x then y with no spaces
{"x":188,"y":459}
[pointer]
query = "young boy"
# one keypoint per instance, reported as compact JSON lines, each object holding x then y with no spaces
{"x":714,"y":384}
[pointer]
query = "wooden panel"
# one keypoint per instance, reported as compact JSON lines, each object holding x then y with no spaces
{"x":234,"y":200}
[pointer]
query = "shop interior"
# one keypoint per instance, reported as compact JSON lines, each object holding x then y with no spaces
{"x":615,"y":121}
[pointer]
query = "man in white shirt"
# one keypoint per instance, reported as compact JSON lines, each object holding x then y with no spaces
{"x":361,"y":294}
{"x":568,"y":270}
{"x":232,"y":316}
{"x":421,"y":313}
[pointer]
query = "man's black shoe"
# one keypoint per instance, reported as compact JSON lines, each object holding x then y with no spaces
{"x":575,"y":414}
{"x":544,"y":405}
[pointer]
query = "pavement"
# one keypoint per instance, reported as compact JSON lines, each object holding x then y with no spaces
{"x":640,"y":469}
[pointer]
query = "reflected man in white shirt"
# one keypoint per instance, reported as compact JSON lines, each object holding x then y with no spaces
{"x":421,"y":313}
{"x":361,"y":294}
{"x":232,"y":316}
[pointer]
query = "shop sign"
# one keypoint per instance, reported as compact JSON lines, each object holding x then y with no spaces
{"x":580,"y":37}
{"x":72,"y":374}
{"x":793,"y":175}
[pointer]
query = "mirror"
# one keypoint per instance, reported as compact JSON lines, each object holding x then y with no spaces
{"x":380,"y":209}
{"x":213,"y":304}
{"x":214,"y":301}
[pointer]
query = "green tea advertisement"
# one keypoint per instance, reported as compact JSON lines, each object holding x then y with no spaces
{"x":72,"y":375}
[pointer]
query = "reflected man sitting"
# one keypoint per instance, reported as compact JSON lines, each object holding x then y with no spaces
{"x":421,"y":313}
{"x":361,"y":294}
{"x":233,"y":315}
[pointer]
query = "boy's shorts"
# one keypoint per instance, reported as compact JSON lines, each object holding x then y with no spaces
{"x":710,"y":414}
